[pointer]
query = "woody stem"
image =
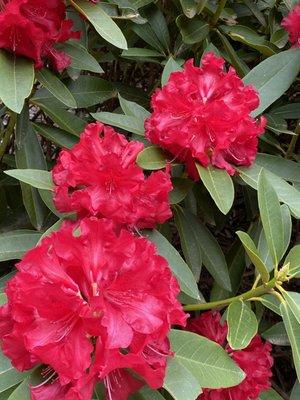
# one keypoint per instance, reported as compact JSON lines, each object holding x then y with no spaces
{"x":256,"y":292}
{"x":293,"y":142}
{"x":218,"y":12}
{"x":4,"y":140}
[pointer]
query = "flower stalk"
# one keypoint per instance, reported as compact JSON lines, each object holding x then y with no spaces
{"x":218,"y":12}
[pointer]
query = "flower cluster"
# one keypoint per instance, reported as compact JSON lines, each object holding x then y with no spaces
{"x":91,"y":302}
{"x":256,"y":360}
{"x":32,"y":28}
{"x":292,"y":24}
{"x":203,"y":115}
{"x":99,"y":177}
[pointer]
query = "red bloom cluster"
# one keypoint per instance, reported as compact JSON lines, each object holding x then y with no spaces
{"x":99,"y":177}
{"x":292,"y":24}
{"x":203,"y":114}
{"x":31,"y":28}
{"x":91,"y":302}
{"x":256,"y":360}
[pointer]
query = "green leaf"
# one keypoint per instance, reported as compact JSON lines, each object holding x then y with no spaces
{"x":14,"y":244}
{"x":277,"y":335}
{"x":208,"y":362}
{"x":4,"y":395}
{"x":181,"y":187}
{"x":271,"y":302}
{"x":147,"y":394}
{"x":126,"y":122}
{"x":90,"y":90}
{"x":219,"y":184}
{"x":252,"y":252}
{"x":270,"y":213}
{"x":293,"y":301}
{"x":294,"y":259}
{"x":17,"y":76}
{"x":242,"y":325}
{"x":191,"y":7}
{"x":133,"y":109}
{"x":286,"y":169}
{"x":137,"y":52}
{"x":295,"y":395}
{"x":22,"y":391}
{"x":53,"y":228}
{"x":285,"y":192}
{"x":190,"y":241}
{"x":180,"y":269}
{"x":241,"y":67}
{"x":251,"y":38}
{"x":288,"y":111}
{"x":58,"y":136}
{"x":103,"y":24}
{"x":292,"y":327}
{"x":192,"y":30}
{"x":56,"y":87}
{"x":152,"y":157}
{"x":212,"y":255}
{"x":179,"y":381}
{"x":81,"y":59}
{"x":9,"y":377}
{"x":273,"y":76}
{"x":171,"y":66}
{"x":158,"y":23}
{"x":34,"y":177}
{"x":29,"y":154}
{"x":270,"y":395}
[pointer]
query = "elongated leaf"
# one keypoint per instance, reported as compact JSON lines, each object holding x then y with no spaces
{"x":55,"y":135}
{"x":103,"y":24}
{"x":15,"y":243}
{"x":81,"y":59}
{"x":22,"y":391}
{"x":295,"y":395}
{"x":294,"y":259}
{"x":190,"y":241}
{"x":34,"y":177}
{"x":126,"y":122}
{"x":288,"y":111}
{"x":152,"y":158}
{"x":205,"y":360}
{"x":271,"y":302}
{"x":270,"y":213}
{"x":252,"y":252}
{"x":56,"y":87}
{"x":286,"y":169}
{"x":29,"y":154}
{"x":137,"y":52}
{"x":17,"y":76}
{"x":242,"y":325}
{"x":133,"y":109}
{"x":178,"y":266}
{"x":285,"y":192}
{"x":181,"y":188}
{"x":220,"y":186}
{"x":273,"y":76}
{"x":192,"y":30}
{"x":147,"y":394}
{"x":277,"y":335}
{"x":9,"y":376}
{"x":293,"y":301}
{"x":179,"y":381}
{"x":171,"y":66}
{"x":270,"y":395}
{"x":293,"y":330}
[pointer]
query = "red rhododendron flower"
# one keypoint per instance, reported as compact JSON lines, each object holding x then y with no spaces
{"x":99,"y":177}
{"x":256,"y":360}
{"x":203,"y":114}
{"x":31,"y":28}
{"x":292,"y":24}
{"x":88,"y":302}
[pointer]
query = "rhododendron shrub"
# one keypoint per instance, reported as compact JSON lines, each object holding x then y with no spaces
{"x":203,"y":115}
{"x":90,"y":302}
{"x":255,"y":360}
{"x":149,"y":180}
{"x":99,"y":176}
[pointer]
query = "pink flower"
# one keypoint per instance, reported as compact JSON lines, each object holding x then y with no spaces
{"x":88,"y":302}
{"x":31,"y":28}
{"x":256,"y":360}
{"x":99,"y":176}
{"x":292,"y":24}
{"x":203,"y":115}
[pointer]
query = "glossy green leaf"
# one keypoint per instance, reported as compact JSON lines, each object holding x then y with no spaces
{"x":271,"y":394}
{"x":241,"y":68}
{"x":273,"y":76}
{"x":126,"y":122}
{"x":180,"y":269}
{"x":288,"y":111}
{"x":295,"y":395}
{"x":293,"y":258}
{"x":253,"y":254}
{"x":133,"y":109}
{"x":157,"y":21}
{"x":220,"y":186}
{"x":242,"y":325}
{"x":9,"y":376}
{"x":22,"y":391}
{"x":80,"y":57}
{"x":181,"y":187}
{"x":58,"y":136}
{"x":293,"y":301}
{"x":190,"y":239}
{"x":271,"y":302}
{"x":137,"y":52}
{"x":292,"y":327}
{"x":17,"y":76}
{"x":14,"y":244}
{"x":56,"y":87}
{"x":146,"y":394}
{"x":192,"y":30}
{"x":270,"y":213}
{"x":34,"y":177}
{"x":208,"y":362}
{"x":277,"y":335}
{"x":286,"y":169}
{"x":152,"y":157}
{"x":103,"y":23}
{"x":192,"y":7}
{"x":171,"y":66}
{"x":146,"y":33}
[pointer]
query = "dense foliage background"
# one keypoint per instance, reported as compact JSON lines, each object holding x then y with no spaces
{"x":127,"y":49}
